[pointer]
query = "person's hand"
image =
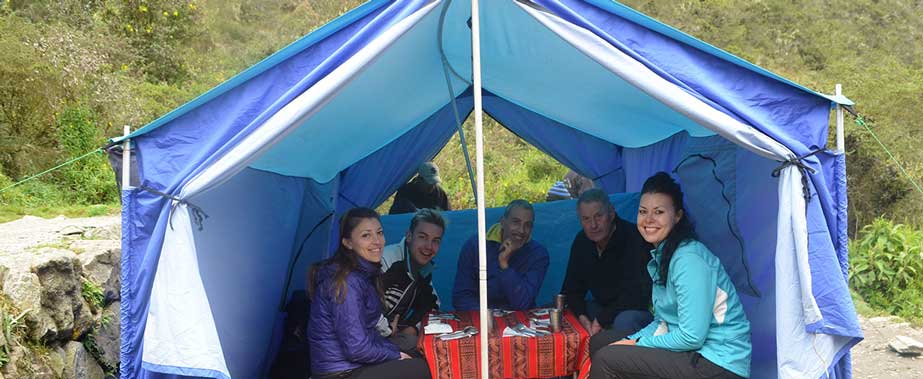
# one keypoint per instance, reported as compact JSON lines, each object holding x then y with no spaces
{"x":405,"y":356}
{"x":394,"y":324}
{"x":595,"y":327}
{"x":507,"y":248}
{"x":624,"y":342}
{"x":585,"y":322}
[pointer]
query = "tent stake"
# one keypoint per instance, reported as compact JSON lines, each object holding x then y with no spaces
{"x":479,"y":156}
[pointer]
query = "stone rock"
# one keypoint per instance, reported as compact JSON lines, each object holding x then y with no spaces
{"x":107,"y":335}
{"x":71,"y":230}
{"x":56,"y":361}
{"x":16,"y":354}
{"x":24,"y":363}
{"x":102,"y":265}
{"x":78,"y":364}
{"x":48,"y":284}
{"x":906,"y":346}
{"x":112,"y":232}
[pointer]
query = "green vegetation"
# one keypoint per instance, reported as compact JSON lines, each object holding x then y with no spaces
{"x":513,"y":168}
{"x":887,"y":268}
{"x":13,"y":327}
{"x":73,"y":72}
{"x":93,"y":294}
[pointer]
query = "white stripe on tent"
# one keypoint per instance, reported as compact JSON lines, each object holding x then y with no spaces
{"x":180,"y":330}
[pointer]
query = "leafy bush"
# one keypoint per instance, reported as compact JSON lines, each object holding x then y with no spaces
{"x":156,"y":30}
{"x":89,"y":180}
{"x":887,"y":268}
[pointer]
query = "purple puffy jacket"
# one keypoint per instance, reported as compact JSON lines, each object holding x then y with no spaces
{"x":343,"y":335}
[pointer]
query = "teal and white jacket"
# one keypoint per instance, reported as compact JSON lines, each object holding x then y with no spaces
{"x":697,"y":309}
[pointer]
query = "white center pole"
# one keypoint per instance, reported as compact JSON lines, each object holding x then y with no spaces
{"x":479,"y":159}
{"x":840,"y":137}
{"x":126,"y":159}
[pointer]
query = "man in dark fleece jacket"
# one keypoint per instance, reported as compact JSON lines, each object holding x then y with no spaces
{"x":516,"y":265}
{"x":609,"y":259}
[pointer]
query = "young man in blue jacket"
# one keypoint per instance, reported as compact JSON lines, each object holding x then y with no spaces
{"x":516,"y":265}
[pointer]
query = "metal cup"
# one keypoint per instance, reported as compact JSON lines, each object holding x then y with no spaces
{"x":560,"y":300}
{"x":555,"y":319}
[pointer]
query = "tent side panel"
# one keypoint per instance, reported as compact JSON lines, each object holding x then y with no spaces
{"x":642,"y":162}
{"x":144,"y":218}
{"x":756,"y":216}
{"x":244,"y":252}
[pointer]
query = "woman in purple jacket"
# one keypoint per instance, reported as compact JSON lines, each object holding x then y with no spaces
{"x":346,"y":309}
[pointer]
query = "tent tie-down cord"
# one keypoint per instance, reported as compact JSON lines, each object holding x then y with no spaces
{"x":730,"y":224}
{"x":801,"y":166}
{"x":198,"y":215}
{"x":67,"y":163}
{"x":291,"y":265}
{"x":446,"y":67}
{"x":860,"y":121}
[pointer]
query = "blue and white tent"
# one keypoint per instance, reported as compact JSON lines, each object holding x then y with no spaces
{"x":343,"y":116}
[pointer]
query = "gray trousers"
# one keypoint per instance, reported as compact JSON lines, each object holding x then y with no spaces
{"x":619,"y":361}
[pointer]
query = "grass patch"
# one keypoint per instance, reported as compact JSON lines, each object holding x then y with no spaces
{"x":863,"y":308}
{"x":13,"y":327}
{"x":14,"y":212}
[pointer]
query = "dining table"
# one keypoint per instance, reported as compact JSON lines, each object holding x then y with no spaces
{"x":520,"y":345}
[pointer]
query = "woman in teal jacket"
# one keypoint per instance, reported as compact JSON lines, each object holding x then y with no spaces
{"x":699,"y":328}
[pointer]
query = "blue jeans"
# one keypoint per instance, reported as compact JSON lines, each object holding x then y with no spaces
{"x":631,"y":321}
{"x":627,"y":321}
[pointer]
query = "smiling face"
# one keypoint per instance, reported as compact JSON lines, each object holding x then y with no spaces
{"x":656,"y":217}
{"x":367,"y":240}
{"x":517,"y":225}
{"x":596,"y":220}
{"x":423,"y":242}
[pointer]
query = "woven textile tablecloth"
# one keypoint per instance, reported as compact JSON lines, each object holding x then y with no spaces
{"x":559,"y":354}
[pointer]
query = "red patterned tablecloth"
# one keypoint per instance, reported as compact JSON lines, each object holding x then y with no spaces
{"x":559,"y":354}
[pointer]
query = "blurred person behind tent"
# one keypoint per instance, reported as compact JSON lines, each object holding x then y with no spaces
{"x":570,"y":187}
{"x":423,"y":191}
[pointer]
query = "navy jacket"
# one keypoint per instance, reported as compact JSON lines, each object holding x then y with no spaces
{"x":514,"y":288}
{"x":343,"y":335}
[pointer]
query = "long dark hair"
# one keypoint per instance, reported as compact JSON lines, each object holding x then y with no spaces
{"x":683,"y":231}
{"x":346,"y":260}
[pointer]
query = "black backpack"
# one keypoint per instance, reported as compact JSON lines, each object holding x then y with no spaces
{"x":294,"y":358}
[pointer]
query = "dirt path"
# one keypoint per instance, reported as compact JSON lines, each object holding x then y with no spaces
{"x":872,"y":358}
{"x":32,"y":231}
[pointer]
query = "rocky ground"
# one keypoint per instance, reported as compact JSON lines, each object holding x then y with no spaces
{"x":872,"y":359}
{"x":59,"y":298}
{"x":62,"y":327}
